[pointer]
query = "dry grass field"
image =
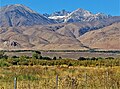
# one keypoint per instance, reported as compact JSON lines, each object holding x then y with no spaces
{"x":46,"y":72}
{"x":44,"y":77}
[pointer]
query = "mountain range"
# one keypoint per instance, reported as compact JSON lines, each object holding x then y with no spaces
{"x":79,"y":15}
{"x":22,"y":28}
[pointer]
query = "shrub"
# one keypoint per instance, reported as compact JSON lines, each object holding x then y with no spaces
{"x":14,"y":57}
{"x":82,"y":58}
{"x":38,"y":52}
{"x":3,"y":64}
{"x":54,"y":58}
{"x":1,"y":54}
{"x":109,"y":58}
{"x":46,"y":58}
{"x":70,"y":64}
{"x":13,"y":61}
{"x":36,"y":55}
{"x":93,"y":58}
{"x":60,"y":57}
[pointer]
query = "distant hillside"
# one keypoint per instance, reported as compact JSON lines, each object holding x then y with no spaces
{"x":78,"y":29}
{"x":107,"y":38}
{"x":36,"y":37}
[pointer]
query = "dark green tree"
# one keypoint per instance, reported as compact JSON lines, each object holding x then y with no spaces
{"x":54,"y":58}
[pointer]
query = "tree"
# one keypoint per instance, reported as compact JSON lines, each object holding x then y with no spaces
{"x":70,"y":64}
{"x":93,"y":58}
{"x":81,"y":58}
{"x":1,"y":54}
{"x":38,"y":52}
{"x":54,"y":58}
{"x":35,"y":55}
{"x":60,"y":57}
{"x":46,"y":58}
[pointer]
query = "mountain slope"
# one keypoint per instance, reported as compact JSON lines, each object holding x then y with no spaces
{"x":36,"y":37}
{"x":105,"y":38}
{"x":20,"y":15}
{"x":78,"y":29}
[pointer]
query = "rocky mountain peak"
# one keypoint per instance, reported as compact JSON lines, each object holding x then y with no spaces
{"x":18,"y":7}
{"x":81,"y":12}
{"x":20,"y":15}
{"x":79,"y":15}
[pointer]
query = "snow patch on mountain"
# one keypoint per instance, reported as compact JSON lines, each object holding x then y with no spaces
{"x":78,"y":15}
{"x":56,"y":17}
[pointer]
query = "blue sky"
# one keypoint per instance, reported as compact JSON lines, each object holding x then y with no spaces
{"x":111,"y":7}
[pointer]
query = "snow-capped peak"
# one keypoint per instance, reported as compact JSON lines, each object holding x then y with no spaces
{"x":81,"y":12}
{"x":78,"y":15}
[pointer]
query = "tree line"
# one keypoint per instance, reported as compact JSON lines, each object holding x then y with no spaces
{"x":38,"y":59}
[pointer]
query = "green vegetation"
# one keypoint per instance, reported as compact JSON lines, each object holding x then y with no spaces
{"x":38,"y":59}
{"x":46,"y":61}
{"x":38,"y":72}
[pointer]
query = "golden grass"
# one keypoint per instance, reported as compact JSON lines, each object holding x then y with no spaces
{"x":44,"y":77}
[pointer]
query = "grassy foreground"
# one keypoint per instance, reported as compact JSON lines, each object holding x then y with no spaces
{"x":39,"y":72}
{"x":44,"y":77}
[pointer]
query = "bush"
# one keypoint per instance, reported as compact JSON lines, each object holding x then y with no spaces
{"x":14,"y":57}
{"x":3,"y":64}
{"x":109,"y":58}
{"x":54,"y":58}
{"x":60,"y":57}
{"x":70,"y":64}
{"x":13,"y":61}
{"x":82,"y":58}
{"x":3,"y":56}
{"x":46,"y":58}
{"x":38,"y":52}
{"x":93,"y":58}
{"x":36,"y":55}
